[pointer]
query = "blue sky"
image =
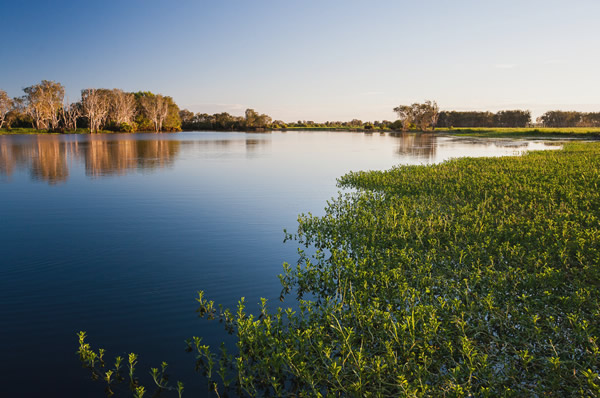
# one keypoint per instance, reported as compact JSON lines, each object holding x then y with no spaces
{"x":313,"y":60}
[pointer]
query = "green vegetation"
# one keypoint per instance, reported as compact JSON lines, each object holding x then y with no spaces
{"x":420,"y":116}
{"x":517,"y":118}
{"x":540,"y":132}
{"x":570,"y":119}
{"x":475,"y":277}
{"x":255,"y":121}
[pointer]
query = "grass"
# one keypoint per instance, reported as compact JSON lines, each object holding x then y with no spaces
{"x":535,"y":132}
{"x":474,"y":277}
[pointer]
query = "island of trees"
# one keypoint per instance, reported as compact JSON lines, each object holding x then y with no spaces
{"x":44,"y":108}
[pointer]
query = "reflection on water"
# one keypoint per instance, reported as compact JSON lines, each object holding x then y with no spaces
{"x":49,"y":160}
{"x":419,"y":146}
{"x":49,"y":157}
{"x":103,"y":157}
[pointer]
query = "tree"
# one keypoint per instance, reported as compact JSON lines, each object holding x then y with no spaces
{"x":254,"y":120}
{"x":172,"y":121}
{"x":18,"y":116}
{"x":512,"y":118}
{"x":187,"y":118}
{"x":560,"y":119}
{"x":122,"y":106}
{"x":425,"y":115}
{"x":95,"y":106}
{"x":69,"y":115}
{"x":6,"y":105}
{"x":405,"y":116}
{"x":465,"y":119}
{"x":251,"y":117}
{"x":44,"y":101}
{"x":156,"y":108}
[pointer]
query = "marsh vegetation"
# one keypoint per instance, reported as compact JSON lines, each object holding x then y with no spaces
{"x":471,"y":277}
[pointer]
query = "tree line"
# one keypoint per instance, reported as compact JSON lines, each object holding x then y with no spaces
{"x":507,"y":118}
{"x":45,"y":107}
{"x":569,"y":119}
{"x":424,"y":116}
{"x":253,"y":120}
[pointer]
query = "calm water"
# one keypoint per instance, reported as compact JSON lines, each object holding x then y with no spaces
{"x":114,"y":234}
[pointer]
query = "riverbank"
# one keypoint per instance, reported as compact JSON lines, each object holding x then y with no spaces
{"x":25,"y":130}
{"x":526,"y":132}
{"x":481,"y":132}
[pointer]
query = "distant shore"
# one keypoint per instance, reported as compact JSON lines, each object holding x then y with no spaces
{"x":484,"y":132}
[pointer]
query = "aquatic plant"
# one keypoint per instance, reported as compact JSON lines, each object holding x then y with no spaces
{"x":478,"y":276}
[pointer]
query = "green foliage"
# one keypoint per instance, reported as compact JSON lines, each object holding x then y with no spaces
{"x":172,"y":121}
{"x":475,"y":277}
{"x":570,"y":119}
{"x":127,"y":128}
{"x":113,"y":376}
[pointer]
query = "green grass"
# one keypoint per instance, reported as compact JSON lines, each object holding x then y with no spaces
{"x":574,"y":132}
{"x":474,"y":277}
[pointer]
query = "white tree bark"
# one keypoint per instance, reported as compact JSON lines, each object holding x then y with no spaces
{"x":156,"y":109}
{"x":122,"y":106}
{"x":95,"y":107}
{"x":6,"y":105}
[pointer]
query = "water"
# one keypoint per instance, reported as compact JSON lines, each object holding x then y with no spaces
{"x":114,"y":235}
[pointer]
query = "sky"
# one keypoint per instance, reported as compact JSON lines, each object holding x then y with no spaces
{"x":312,"y":59}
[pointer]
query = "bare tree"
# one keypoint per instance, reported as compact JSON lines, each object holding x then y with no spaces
{"x":44,"y":101}
{"x":122,"y":106}
{"x":69,"y":115}
{"x":6,"y":105}
{"x":95,"y":107}
{"x":156,"y":108}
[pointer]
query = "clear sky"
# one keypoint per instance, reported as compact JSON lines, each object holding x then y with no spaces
{"x":312,"y":59}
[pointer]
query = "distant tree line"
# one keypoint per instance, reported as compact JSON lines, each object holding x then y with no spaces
{"x":508,"y":118}
{"x":352,"y":124}
{"x":569,"y":119}
{"x":44,"y":107}
{"x":253,"y":120}
{"x":426,"y":115}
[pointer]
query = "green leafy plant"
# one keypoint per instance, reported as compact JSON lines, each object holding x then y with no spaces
{"x":475,"y":277}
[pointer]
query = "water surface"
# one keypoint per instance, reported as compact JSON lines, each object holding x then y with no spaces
{"x":114,"y":234}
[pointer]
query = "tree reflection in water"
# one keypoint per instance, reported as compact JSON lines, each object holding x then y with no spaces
{"x":48,"y":157}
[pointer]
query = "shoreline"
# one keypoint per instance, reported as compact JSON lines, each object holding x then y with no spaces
{"x":478,"y":132}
